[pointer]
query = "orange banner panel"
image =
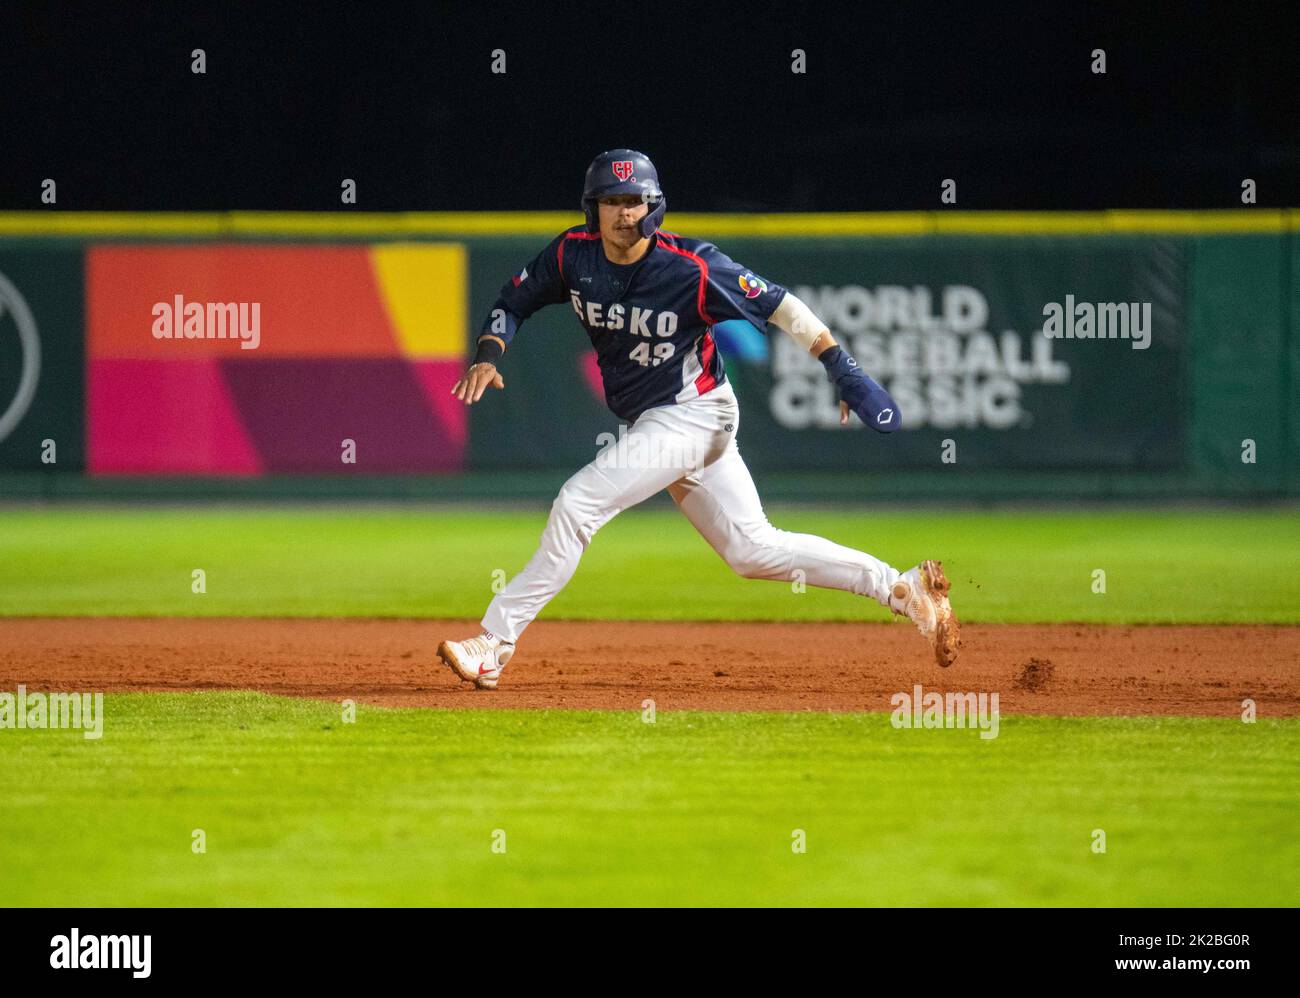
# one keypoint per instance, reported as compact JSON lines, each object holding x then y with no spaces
{"x":236,"y":302}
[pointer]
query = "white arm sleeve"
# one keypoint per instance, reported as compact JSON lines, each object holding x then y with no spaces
{"x":797,"y":319}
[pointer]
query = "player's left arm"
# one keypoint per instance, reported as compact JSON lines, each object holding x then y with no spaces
{"x":858,"y":391}
{"x":737,"y":293}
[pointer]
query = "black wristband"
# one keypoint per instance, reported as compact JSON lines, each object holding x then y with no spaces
{"x":838,"y":364}
{"x":829,"y":356}
{"x":489,"y":350}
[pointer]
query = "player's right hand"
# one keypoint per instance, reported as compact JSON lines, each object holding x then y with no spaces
{"x":470,"y":388}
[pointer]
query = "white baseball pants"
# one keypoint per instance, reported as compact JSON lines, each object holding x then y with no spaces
{"x":690,"y":449}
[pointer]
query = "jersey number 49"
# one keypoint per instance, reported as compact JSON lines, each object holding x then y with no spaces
{"x":641,"y":354}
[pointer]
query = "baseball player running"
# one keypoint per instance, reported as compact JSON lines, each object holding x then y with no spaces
{"x":648,"y":300}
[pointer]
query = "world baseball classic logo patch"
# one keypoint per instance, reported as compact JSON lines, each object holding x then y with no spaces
{"x":752,"y":286}
{"x":622,"y":169}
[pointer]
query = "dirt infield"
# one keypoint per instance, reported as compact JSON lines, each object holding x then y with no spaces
{"x":1059,"y":669}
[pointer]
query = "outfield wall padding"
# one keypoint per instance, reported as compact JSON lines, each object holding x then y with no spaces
{"x":366,"y":322}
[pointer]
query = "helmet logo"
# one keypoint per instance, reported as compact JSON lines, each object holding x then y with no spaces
{"x":622,"y":169}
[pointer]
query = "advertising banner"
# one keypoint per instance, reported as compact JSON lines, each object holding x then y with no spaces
{"x":41,"y":359}
{"x":249,"y":360}
{"x":1002,"y":355}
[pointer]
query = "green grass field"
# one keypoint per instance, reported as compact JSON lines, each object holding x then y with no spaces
{"x":1161,"y":566}
{"x":400,"y":807}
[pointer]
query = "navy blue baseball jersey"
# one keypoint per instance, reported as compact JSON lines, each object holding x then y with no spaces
{"x":650,"y":321}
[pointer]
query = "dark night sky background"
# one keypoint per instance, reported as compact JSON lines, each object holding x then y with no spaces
{"x":896,"y":98}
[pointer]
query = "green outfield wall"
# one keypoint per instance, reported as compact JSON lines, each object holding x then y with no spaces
{"x":1126,"y":355}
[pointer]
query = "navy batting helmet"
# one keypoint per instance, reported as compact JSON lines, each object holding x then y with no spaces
{"x":624,"y":171}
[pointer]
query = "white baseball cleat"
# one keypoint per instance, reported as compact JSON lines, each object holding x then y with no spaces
{"x":921,"y":594}
{"x":477,"y":660}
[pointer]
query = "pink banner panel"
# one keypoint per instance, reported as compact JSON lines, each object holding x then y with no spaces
{"x":164,"y":417}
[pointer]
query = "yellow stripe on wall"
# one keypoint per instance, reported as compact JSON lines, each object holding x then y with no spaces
{"x":99,"y":224}
{"x":424,"y":290}
{"x":415,"y":223}
{"x":397,"y":225}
